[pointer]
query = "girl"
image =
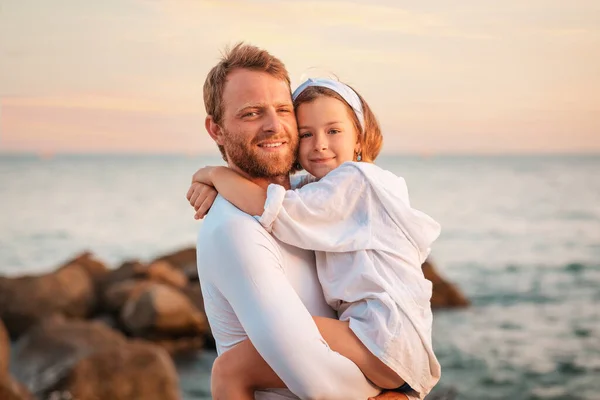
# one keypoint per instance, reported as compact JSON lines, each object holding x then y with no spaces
{"x":369,"y":244}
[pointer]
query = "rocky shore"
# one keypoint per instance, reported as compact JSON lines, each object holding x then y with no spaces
{"x":87,"y":331}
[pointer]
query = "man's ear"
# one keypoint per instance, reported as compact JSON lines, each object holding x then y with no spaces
{"x":214,"y":130}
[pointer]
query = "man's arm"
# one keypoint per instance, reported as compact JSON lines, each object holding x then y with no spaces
{"x":247,"y":270}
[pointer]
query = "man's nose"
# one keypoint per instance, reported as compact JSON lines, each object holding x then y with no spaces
{"x":272,"y":122}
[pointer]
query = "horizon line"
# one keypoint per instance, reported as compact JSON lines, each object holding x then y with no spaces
{"x":424,"y":154}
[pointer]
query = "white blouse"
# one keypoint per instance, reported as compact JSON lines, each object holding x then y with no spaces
{"x":369,"y":245}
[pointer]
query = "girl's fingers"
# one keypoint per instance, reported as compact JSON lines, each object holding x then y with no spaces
{"x":201,"y":197}
{"x":194,"y":197}
{"x":206,"y":204}
{"x":188,"y":196}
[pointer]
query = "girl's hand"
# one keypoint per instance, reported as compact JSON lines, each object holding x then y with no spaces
{"x":201,"y":197}
{"x":203,"y":175}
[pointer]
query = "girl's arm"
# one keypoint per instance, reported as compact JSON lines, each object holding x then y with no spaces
{"x":239,"y":191}
{"x":324,"y":215}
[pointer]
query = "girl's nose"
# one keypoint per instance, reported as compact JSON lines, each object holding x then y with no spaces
{"x":320,"y":144}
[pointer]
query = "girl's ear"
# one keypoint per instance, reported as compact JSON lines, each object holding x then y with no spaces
{"x":357,"y":147}
{"x":357,"y":152}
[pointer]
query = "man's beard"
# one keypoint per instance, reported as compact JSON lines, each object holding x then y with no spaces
{"x":259,"y":164}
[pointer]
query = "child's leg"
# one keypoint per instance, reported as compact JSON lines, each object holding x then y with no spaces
{"x":237,"y":373}
{"x":240,"y":371}
{"x":341,"y":339}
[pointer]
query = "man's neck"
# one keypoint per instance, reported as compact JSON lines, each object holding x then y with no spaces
{"x":283,"y":180}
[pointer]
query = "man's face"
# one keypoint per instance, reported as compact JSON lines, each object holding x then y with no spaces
{"x":259,"y":128}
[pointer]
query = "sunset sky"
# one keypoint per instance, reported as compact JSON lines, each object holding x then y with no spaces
{"x":513,"y":76}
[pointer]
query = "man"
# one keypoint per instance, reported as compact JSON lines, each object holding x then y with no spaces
{"x":254,"y":286}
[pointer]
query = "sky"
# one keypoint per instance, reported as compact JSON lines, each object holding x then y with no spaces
{"x":466,"y":77}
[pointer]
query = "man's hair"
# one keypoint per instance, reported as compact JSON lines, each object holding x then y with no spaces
{"x":243,"y":56}
{"x":370,"y":138}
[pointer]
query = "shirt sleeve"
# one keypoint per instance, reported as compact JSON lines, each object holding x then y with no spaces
{"x":332,"y":214}
{"x":248,"y":273}
{"x":299,"y":180}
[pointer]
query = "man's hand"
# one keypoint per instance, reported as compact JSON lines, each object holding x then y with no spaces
{"x":201,"y":197}
{"x":387,"y":395}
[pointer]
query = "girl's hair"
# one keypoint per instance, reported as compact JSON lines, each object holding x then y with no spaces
{"x":370,"y":139}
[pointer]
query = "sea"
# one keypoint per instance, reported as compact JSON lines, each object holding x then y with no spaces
{"x":520,"y":237}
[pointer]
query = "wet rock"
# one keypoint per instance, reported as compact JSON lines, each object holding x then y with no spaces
{"x":449,"y":393}
{"x":71,"y":290}
{"x":162,"y":309}
{"x":184,"y":260}
{"x":132,"y":276}
{"x":88,"y":360}
{"x":116,"y":295}
{"x":179,"y":345}
{"x":4,"y":351}
{"x":445,"y":294}
{"x":135,"y":371}
{"x":164,"y":272}
{"x":127,"y":271}
{"x":10,"y":389}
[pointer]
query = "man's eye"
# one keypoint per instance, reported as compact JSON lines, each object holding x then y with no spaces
{"x":250,"y":114}
{"x":285,"y":110}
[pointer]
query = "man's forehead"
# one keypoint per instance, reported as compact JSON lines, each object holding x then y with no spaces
{"x":246,"y":86}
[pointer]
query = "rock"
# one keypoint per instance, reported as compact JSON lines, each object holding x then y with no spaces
{"x":184,"y":260}
{"x":181,"y":345}
{"x":71,"y":290}
{"x":164,"y":272}
{"x":4,"y":351}
{"x":135,"y":371}
{"x":47,"y":352}
{"x":127,"y":271}
{"x":163,"y":310}
{"x":118,"y":285}
{"x":116,"y":295}
{"x":10,"y":389}
{"x":448,"y":393}
{"x":445,"y":294}
{"x":88,"y":360}
{"x":96,"y":269}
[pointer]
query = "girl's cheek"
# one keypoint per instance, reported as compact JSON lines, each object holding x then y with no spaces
{"x":303,"y":149}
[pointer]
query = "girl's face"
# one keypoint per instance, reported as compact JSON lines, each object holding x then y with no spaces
{"x":328,"y":137}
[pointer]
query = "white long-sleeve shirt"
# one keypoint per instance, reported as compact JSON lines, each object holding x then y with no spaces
{"x":370,"y":246}
{"x":256,"y":287}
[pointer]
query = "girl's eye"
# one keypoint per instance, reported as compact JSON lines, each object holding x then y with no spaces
{"x":334,"y":131}
{"x":305,"y":135}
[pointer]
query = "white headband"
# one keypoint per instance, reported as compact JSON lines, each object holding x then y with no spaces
{"x":340,"y":88}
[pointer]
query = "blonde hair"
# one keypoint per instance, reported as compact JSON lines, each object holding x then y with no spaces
{"x":370,"y":139}
{"x":243,"y":56}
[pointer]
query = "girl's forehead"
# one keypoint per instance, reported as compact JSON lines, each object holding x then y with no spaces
{"x":323,"y":107}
